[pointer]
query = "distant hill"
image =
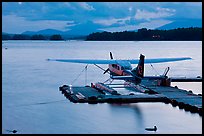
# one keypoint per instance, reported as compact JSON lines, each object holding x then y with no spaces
{"x":88,"y":27}
{"x":4,"y":33}
{"x":185,"y":23}
{"x":79,"y":30}
{"x":84,"y":28}
{"x":49,"y":32}
{"x":44,"y":32}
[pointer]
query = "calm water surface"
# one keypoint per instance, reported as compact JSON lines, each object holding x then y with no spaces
{"x":31,"y":102}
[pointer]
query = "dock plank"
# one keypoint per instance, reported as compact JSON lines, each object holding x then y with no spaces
{"x":178,"y":95}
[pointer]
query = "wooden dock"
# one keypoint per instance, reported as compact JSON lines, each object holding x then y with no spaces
{"x":93,"y":95}
{"x":184,"y":79}
{"x":178,"y":97}
{"x":146,"y":92}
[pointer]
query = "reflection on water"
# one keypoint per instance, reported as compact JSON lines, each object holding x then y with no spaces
{"x":138,"y":120}
{"x":31,"y":102}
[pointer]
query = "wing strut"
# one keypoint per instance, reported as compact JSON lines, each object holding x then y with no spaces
{"x":102,"y":69}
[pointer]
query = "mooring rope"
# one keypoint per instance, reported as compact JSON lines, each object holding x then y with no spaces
{"x":80,"y":74}
{"x":86,"y":74}
{"x":154,"y":69}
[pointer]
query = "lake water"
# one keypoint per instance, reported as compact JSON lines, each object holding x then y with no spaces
{"x":32,"y":103}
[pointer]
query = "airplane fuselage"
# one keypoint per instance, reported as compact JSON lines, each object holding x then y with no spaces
{"x":124,"y":72}
{"x":117,"y":70}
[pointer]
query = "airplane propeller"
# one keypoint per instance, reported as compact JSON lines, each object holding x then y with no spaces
{"x":111,"y":56}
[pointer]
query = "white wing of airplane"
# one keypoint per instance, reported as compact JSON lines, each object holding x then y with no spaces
{"x":87,"y":61}
{"x":113,"y":61}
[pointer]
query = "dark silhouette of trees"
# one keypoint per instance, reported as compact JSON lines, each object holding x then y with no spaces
{"x":21,"y":37}
{"x":28,"y":37}
{"x":6,"y":37}
{"x":179,"y":34}
{"x":38,"y":37}
{"x":56,"y":37}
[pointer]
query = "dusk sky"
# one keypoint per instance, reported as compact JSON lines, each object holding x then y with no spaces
{"x":18,"y":17}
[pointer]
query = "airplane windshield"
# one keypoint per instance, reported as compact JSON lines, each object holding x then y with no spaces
{"x":124,"y":64}
{"x":127,"y":67}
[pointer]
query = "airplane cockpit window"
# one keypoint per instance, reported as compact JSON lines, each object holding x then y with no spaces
{"x":124,"y":64}
{"x":127,"y":67}
{"x":114,"y":65}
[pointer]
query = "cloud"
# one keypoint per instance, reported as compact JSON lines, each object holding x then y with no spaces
{"x":160,"y":13}
{"x":15,"y":24}
{"x":149,"y":25}
{"x":111,"y":21}
{"x":141,"y":18}
{"x":130,"y":9}
{"x":67,"y":4}
{"x":85,"y":6}
{"x":109,"y":14}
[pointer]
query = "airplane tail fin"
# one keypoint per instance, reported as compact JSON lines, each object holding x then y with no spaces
{"x":139,"y":70}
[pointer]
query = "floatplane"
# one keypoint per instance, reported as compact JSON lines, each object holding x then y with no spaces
{"x":122,"y":69}
{"x":158,"y":86}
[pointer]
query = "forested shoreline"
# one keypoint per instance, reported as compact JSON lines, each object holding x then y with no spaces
{"x":179,"y":34}
{"x":144,"y":34}
{"x":31,"y":37}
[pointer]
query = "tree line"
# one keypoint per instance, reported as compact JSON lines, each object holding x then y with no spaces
{"x":179,"y":34}
{"x":144,"y":34}
{"x":31,"y":37}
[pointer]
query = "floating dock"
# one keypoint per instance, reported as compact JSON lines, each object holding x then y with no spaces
{"x":145,"y":92}
{"x":184,"y":79}
{"x":94,"y":95}
{"x":178,"y":97}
